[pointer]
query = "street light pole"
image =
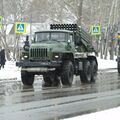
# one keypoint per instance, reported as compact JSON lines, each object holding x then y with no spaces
{"x":31,"y":23}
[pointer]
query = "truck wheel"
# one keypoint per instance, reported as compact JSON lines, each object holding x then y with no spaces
{"x":56,"y":81}
{"x":118,"y":66}
{"x":85,"y":74}
{"x":67,"y":73}
{"x":47,"y":81}
{"x":27,"y":78}
{"x":93,"y":70}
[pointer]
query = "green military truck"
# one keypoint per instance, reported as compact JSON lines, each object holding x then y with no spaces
{"x":58,"y":54}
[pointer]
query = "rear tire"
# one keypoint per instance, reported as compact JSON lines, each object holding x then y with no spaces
{"x":27,"y":78}
{"x":94,"y":69}
{"x":85,"y":74}
{"x":67,"y":73}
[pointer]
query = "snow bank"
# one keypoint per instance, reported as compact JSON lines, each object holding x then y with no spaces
{"x":111,"y":114}
{"x":105,"y":64}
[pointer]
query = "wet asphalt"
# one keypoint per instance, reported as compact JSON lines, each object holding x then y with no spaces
{"x":54,"y":103}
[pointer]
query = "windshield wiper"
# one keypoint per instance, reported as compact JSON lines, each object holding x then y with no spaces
{"x":55,"y":40}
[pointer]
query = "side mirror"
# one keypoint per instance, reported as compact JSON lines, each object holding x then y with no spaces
{"x":27,"y":38}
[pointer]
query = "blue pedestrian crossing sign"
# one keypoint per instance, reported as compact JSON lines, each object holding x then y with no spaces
{"x":20,"y":27}
{"x":95,"y":30}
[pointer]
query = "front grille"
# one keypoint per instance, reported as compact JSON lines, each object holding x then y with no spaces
{"x":38,"y":53}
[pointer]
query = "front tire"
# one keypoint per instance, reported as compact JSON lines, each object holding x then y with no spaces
{"x":67,"y":73}
{"x":27,"y":78}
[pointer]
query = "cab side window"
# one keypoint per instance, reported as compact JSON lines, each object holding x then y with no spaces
{"x":70,"y":37}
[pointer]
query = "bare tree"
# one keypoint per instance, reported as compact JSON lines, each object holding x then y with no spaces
{"x":12,"y":11}
{"x":82,"y":12}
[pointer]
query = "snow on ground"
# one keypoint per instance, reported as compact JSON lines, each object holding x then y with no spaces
{"x":10,"y":71}
{"x":111,"y":114}
{"x":104,"y":64}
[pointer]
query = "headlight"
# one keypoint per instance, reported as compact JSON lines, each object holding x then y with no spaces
{"x":56,"y":56}
{"x":25,"y":56}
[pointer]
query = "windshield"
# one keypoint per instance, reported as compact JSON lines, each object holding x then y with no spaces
{"x":50,"y":36}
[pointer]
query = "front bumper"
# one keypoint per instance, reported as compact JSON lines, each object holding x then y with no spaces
{"x":38,"y":66}
{"x":52,"y":64}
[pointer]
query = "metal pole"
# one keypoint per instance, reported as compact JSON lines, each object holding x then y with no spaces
{"x":31,"y":24}
{"x":2,"y":14}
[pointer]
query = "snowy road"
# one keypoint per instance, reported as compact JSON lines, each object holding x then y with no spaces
{"x":29,"y":103}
